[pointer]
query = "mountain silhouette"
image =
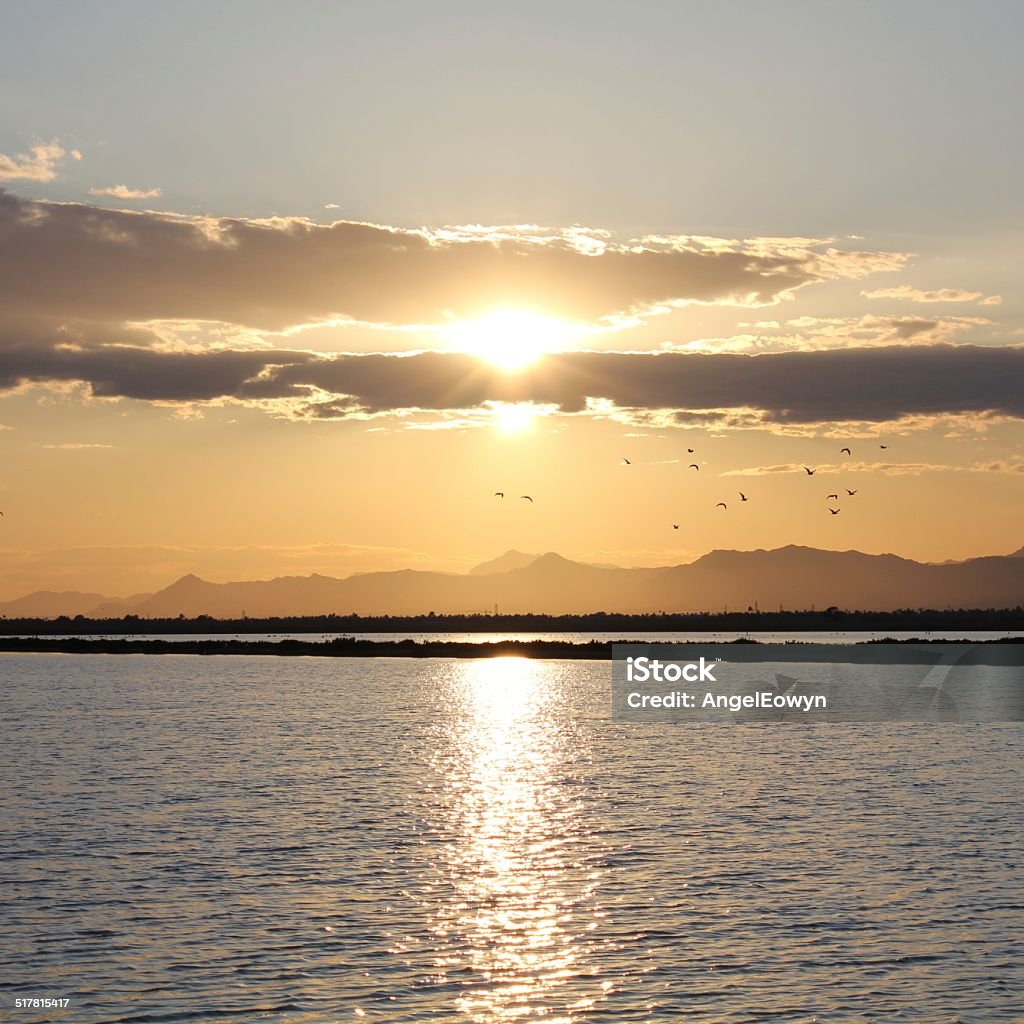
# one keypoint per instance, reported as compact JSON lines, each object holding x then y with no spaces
{"x":45,"y":604}
{"x":503,"y":563}
{"x":792,"y":577}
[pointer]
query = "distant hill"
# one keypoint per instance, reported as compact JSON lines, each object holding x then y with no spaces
{"x":792,"y":577}
{"x":48,"y":604}
{"x":503,"y":563}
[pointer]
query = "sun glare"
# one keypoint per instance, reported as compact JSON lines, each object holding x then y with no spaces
{"x":513,"y":418}
{"x":512,"y":339}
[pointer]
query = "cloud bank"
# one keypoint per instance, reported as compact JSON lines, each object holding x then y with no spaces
{"x":84,"y":292}
{"x":75,"y":260}
{"x":834,"y":385}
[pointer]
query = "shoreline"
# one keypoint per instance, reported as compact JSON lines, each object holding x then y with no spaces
{"x":349,"y":647}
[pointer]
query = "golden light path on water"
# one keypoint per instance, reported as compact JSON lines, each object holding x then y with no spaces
{"x":520,"y":890}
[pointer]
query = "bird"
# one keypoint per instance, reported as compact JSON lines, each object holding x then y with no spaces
{"x":675,"y":526}
{"x":499,"y":494}
{"x":743,"y":497}
{"x":835,"y":511}
{"x":883,"y":446}
{"x":627,"y":462}
{"x":722,"y":504}
{"x":847,"y":450}
{"x":690,"y":450}
{"x":809,"y":472}
{"x":693,"y":465}
{"x":849,"y":492}
{"x":526,"y":497}
{"x":829,"y":497}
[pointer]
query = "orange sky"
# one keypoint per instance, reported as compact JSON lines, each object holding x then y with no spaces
{"x":226,"y":366}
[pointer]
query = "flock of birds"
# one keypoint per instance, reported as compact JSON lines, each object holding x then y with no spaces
{"x":743,"y":497}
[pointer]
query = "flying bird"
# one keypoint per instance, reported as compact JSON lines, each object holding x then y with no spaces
{"x":693,"y":465}
{"x":690,"y":450}
{"x":743,"y":497}
{"x":883,"y":446}
{"x":499,"y":494}
{"x":829,"y":497}
{"x":849,"y":492}
{"x":809,"y":472}
{"x":835,"y":511}
{"x":675,"y":526}
{"x":847,"y":450}
{"x":722,"y":504}
{"x":627,"y":462}
{"x":526,"y":497}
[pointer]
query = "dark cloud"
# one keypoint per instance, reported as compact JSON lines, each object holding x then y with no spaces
{"x":796,"y":387}
{"x":870,"y":384}
{"x":31,"y":354}
{"x":76,"y":260}
{"x":910,"y":327}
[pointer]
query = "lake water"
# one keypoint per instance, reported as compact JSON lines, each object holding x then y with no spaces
{"x":263,"y":839}
{"x":606,"y":636}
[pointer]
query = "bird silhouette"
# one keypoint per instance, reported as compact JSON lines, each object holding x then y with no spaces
{"x":809,"y":472}
{"x":499,"y":494}
{"x":849,"y":492}
{"x":675,"y":526}
{"x":847,"y":450}
{"x":743,"y":497}
{"x":693,"y":465}
{"x":690,"y":450}
{"x":829,"y":497}
{"x":526,"y":497}
{"x":627,"y":462}
{"x":835,"y":511}
{"x":722,"y":504}
{"x":883,"y":446}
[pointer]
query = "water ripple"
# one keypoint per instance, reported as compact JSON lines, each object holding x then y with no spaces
{"x":318,"y":841}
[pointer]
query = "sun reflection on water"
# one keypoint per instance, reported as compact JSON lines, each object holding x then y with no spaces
{"x":518,"y":886}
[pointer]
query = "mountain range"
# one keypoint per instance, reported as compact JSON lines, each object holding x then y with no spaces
{"x":792,"y":577}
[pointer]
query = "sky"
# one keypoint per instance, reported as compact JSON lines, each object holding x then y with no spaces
{"x":295,"y":289}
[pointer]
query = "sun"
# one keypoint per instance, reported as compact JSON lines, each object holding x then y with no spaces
{"x":512,"y":339}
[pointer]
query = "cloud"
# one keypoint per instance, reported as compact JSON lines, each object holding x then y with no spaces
{"x":871,"y":385}
{"x":905,"y":291}
{"x":39,"y":164}
{"x":75,"y":445}
{"x":809,"y":333}
{"x":124,"y":192}
{"x":76,"y":260}
{"x":885,"y":468}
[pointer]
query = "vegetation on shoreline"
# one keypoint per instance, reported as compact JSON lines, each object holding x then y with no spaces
{"x":827,"y":620}
{"x":350,"y":647}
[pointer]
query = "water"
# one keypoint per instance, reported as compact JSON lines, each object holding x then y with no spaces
{"x":262,"y":839}
{"x":601,"y":636}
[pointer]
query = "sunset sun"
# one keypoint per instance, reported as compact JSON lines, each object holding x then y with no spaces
{"x":512,"y":339}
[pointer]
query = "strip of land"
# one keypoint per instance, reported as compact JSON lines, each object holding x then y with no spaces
{"x":826,"y":619}
{"x":351,"y":647}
